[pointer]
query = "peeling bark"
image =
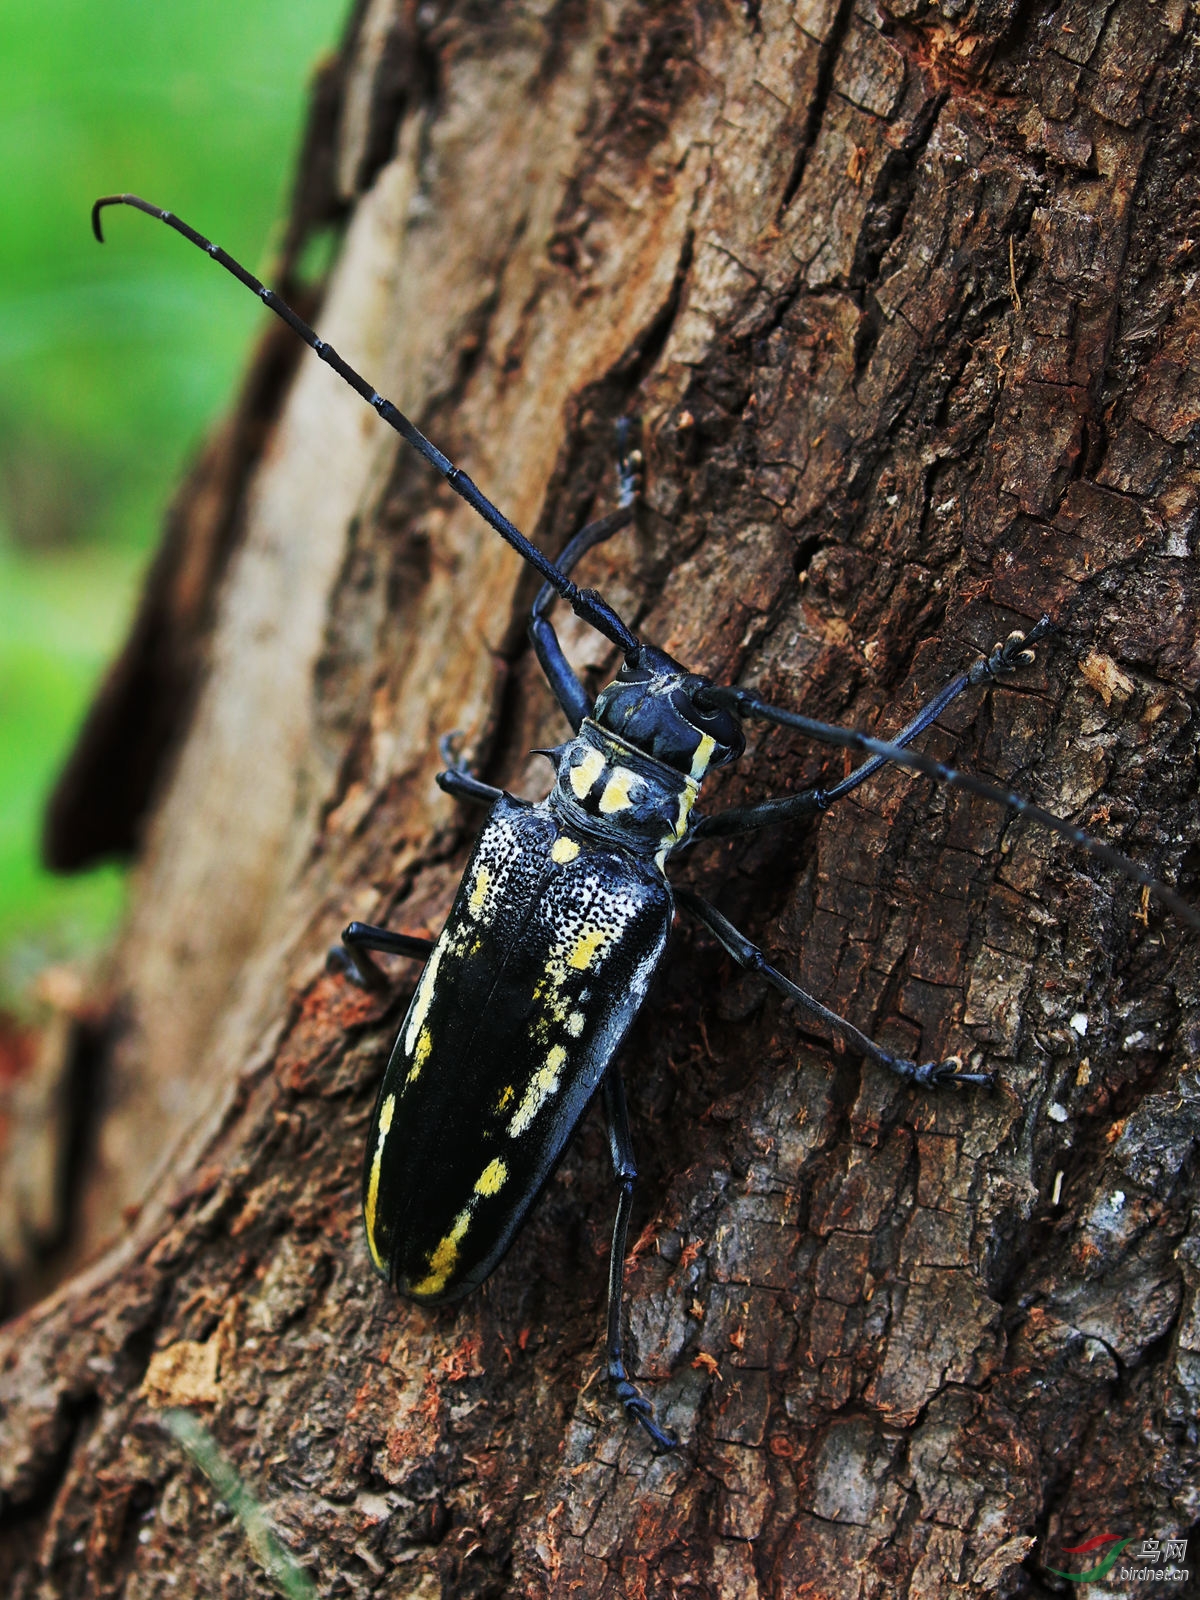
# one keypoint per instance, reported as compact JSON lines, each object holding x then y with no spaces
{"x":902,"y":298}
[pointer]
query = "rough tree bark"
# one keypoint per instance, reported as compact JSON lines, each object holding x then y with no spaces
{"x":901,"y":295}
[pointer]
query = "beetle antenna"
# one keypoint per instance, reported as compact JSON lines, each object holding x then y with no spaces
{"x":586,"y":603}
{"x":744,"y":703}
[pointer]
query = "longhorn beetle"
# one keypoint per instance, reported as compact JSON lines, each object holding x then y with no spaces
{"x":563,"y":912}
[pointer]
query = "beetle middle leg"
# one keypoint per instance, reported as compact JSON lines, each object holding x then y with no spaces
{"x":360,"y":937}
{"x":749,"y":956}
{"x":458,"y":780}
{"x":620,"y":1145}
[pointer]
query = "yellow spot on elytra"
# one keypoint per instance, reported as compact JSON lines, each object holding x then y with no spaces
{"x":585,"y":947}
{"x":617,"y":794}
{"x":444,"y":1258}
{"x":420,"y":1055}
{"x":585,"y":774}
{"x":386,"y":1111}
{"x":507,"y":1095}
{"x":479,"y":890}
{"x":542,"y":1085}
{"x":563,"y":850}
{"x":703,"y":755}
{"x":575,"y":1024}
{"x":491,"y":1178}
{"x":423,"y":997}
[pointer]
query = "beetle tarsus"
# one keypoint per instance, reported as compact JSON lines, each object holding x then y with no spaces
{"x":620,"y":1144}
{"x":1005,"y":658}
{"x":933,"y":1074}
{"x":929,"y":1075}
{"x":640,"y":1409}
{"x":457,"y":779}
{"x":1011,"y":654}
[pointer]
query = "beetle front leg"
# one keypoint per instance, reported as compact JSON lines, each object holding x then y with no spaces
{"x":927,"y":1073}
{"x":1005,"y":659}
{"x":351,"y":958}
{"x":620,"y":1146}
{"x":571,"y":695}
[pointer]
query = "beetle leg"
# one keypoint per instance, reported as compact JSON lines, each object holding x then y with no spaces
{"x":620,"y":1146}
{"x":560,"y":675}
{"x":746,"y":704}
{"x":351,"y":955}
{"x":458,"y":780}
{"x":464,"y":785}
{"x":1006,"y":658}
{"x":928,"y":1073}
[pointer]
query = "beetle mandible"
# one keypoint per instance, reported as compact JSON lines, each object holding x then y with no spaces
{"x":563,"y":914}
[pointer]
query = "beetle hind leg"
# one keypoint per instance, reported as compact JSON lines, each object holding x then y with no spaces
{"x":929,"y":1074}
{"x":625,"y":1170}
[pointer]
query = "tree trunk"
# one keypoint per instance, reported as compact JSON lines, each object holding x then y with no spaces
{"x":902,"y":298}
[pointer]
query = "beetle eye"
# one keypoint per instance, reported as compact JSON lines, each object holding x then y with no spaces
{"x":718,"y":723}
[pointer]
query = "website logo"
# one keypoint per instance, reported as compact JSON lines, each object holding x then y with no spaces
{"x":1155,"y":1560}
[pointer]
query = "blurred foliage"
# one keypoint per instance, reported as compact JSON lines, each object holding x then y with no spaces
{"x":113,"y":361}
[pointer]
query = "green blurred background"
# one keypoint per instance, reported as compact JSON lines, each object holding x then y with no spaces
{"x":114,"y":361}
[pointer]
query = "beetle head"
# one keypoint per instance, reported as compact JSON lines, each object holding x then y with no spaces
{"x":652,"y":703}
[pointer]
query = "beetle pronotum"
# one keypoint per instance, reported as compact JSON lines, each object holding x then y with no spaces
{"x":563,"y":914}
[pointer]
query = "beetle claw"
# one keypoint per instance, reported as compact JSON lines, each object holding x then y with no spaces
{"x":951,"y":1071}
{"x":637,"y":1406}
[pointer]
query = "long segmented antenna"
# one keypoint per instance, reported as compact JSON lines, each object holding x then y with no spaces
{"x":585,"y":603}
{"x":744,"y":703}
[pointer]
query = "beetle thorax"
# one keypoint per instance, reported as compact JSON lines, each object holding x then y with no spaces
{"x":608,"y":789}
